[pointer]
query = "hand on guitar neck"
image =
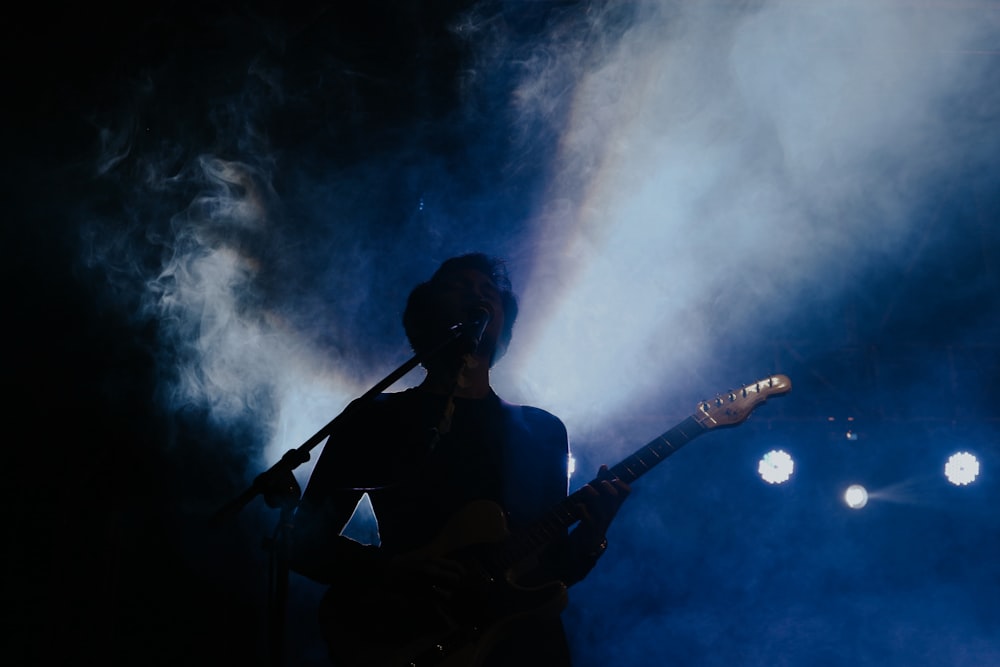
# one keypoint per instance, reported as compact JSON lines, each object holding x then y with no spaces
{"x":600,"y":501}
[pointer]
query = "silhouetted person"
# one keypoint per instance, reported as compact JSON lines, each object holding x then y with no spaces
{"x":442,"y":585}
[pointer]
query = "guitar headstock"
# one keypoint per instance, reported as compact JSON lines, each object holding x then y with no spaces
{"x":734,"y":407}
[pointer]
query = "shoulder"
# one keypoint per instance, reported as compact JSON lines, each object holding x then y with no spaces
{"x":536,"y":420}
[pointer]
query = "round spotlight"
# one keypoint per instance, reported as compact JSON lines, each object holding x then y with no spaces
{"x":776,"y":467}
{"x":856,"y":496}
{"x":961,"y":469}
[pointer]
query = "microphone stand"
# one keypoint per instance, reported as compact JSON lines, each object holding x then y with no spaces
{"x":280,"y":490}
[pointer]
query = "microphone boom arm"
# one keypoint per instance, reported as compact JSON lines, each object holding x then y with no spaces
{"x":278,"y":479}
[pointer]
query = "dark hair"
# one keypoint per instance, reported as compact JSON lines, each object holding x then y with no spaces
{"x":419,"y":319}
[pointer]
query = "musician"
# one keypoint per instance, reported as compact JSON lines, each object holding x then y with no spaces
{"x":424,"y":455}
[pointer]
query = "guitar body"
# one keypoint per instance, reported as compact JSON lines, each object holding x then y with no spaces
{"x":370,"y":624}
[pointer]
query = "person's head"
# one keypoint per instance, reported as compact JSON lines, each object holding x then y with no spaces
{"x":457,"y":289}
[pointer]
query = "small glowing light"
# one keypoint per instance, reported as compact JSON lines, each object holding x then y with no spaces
{"x":776,"y":467}
{"x":856,"y":496}
{"x":851,"y":435}
{"x":570,"y":466}
{"x":962,"y":468}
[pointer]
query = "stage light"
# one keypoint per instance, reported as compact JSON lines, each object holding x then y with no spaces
{"x":776,"y":467}
{"x":856,"y":496}
{"x":961,"y":469}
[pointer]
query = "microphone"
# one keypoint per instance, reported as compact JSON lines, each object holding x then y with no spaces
{"x":475,"y":326}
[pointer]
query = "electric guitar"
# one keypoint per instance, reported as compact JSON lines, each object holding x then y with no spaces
{"x":397,"y":628}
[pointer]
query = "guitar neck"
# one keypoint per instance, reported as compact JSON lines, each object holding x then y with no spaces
{"x":567,"y":512}
{"x":658,"y":449}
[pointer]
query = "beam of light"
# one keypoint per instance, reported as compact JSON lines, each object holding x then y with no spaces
{"x":856,"y":496}
{"x":920,"y":490}
{"x":961,"y":468}
{"x":776,"y":467}
{"x":708,"y":185}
